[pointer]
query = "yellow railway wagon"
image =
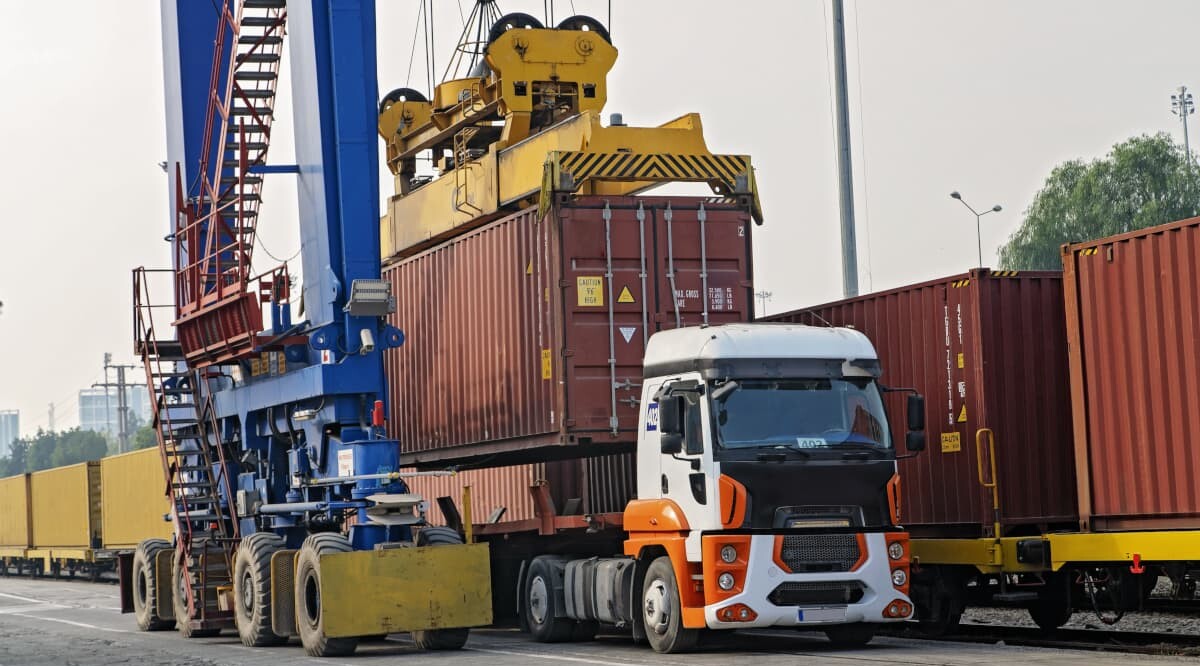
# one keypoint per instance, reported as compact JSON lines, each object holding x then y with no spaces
{"x":66,"y":506}
{"x":16,"y":528}
{"x":133,"y":504}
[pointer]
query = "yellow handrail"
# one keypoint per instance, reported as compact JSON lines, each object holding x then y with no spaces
{"x":985,"y":436}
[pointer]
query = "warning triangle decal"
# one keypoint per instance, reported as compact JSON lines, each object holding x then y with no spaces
{"x":626,"y":296}
{"x":627,"y":332}
{"x":962,"y":416}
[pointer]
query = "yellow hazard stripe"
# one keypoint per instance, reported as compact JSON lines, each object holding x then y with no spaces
{"x":654,"y":166}
{"x":960,"y":283}
{"x":1087,"y":252}
{"x":1004,"y":273}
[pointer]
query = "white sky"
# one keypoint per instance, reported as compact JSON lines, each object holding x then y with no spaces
{"x":983,"y":97}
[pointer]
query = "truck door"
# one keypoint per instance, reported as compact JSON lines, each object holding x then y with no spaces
{"x":685,"y":477}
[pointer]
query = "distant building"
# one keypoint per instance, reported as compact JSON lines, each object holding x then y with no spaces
{"x":99,"y":409}
{"x":10,"y":429}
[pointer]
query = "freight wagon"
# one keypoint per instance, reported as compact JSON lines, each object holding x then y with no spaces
{"x":78,"y":518}
{"x":1056,"y":480}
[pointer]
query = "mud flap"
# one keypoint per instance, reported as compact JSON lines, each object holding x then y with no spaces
{"x":124,"y":580}
{"x":406,"y":589}
{"x":164,"y":591}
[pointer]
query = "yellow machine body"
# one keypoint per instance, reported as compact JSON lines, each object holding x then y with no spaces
{"x":526,"y":130}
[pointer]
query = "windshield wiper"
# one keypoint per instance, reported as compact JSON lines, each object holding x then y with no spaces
{"x":779,"y":452}
{"x":859,"y":450}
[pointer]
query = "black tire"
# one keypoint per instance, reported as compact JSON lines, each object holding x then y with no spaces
{"x":252,"y":589}
{"x":940,"y":596}
{"x":145,"y":586}
{"x":309,"y":623}
{"x":1053,"y":606}
{"x":541,"y":605}
{"x":584,"y":24}
{"x":179,"y":600}
{"x":662,"y":612}
{"x":513,"y":21}
{"x":851,"y":635}
{"x":440,"y":639}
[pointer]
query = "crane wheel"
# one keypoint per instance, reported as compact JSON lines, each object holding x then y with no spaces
{"x":145,"y":586}
{"x":179,"y":597}
{"x":252,"y":589}
{"x":513,"y":21}
{"x":400,"y":95}
{"x":309,"y":623}
{"x":440,"y":639}
{"x":584,"y":24}
{"x":662,"y":611}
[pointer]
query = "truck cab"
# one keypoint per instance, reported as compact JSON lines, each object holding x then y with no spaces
{"x":767,"y":493}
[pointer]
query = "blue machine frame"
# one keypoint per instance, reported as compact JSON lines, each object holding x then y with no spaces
{"x":303,"y":429}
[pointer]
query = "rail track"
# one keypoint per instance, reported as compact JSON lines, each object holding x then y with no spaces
{"x":1137,"y":642}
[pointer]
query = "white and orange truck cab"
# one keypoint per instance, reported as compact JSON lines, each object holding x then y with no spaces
{"x":767,"y":496}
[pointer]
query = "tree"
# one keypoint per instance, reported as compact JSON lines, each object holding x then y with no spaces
{"x":144,"y":438}
{"x":1142,"y":182}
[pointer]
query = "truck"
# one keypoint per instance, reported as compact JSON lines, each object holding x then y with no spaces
{"x":767,"y":496}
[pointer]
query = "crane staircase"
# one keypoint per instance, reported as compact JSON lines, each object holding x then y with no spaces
{"x":216,"y":316}
{"x":219,"y":315}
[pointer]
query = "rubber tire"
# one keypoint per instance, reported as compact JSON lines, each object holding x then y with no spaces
{"x":181,"y":611}
{"x":851,"y":635}
{"x":253,"y":561}
{"x":440,"y":639}
{"x":670,"y":636}
{"x":144,"y":579}
{"x":551,"y":629}
{"x":308,"y":566}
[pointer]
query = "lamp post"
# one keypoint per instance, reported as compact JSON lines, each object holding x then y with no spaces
{"x":1183,"y":106}
{"x":978,"y":233}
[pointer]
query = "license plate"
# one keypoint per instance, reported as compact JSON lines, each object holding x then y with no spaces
{"x":832,"y":614}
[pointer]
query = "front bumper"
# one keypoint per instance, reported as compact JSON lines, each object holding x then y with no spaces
{"x":763,"y":575}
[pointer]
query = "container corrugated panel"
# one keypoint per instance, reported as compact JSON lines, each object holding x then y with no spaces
{"x":987,"y":350}
{"x":1133,"y":317}
{"x":510,"y":327}
{"x":15,"y":521}
{"x":66,"y":506}
{"x":133,"y":499}
{"x":492,"y":488}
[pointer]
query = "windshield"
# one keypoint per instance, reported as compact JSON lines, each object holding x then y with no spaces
{"x":800,"y":413}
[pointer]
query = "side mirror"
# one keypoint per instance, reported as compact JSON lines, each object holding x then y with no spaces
{"x":916,"y":413}
{"x":915,"y":441}
{"x":670,"y":424}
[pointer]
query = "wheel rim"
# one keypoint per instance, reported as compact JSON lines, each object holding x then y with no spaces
{"x":655,"y":606}
{"x":142,"y":588}
{"x":247,"y":594}
{"x":312,"y":598}
{"x":539,"y":600}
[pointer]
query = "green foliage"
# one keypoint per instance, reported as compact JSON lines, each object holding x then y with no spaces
{"x":1142,"y":182}
{"x":144,"y":438}
{"x":53,"y":449}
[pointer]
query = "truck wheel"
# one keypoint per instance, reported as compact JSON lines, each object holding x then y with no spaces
{"x":662,"y":612}
{"x":851,"y":635}
{"x":541,"y":605}
{"x":1053,"y":606}
{"x":252,"y":589}
{"x":145,"y":586}
{"x":440,"y":639}
{"x":309,"y":623}
{"x":180,"y":601}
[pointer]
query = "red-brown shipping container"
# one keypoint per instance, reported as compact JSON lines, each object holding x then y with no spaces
{"x":987,"y":350}
{"x":601,"y":484}
{"x":1133,"y":320}
{"x":525,"y":336}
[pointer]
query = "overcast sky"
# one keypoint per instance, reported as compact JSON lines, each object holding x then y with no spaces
{"x":982,"y":97}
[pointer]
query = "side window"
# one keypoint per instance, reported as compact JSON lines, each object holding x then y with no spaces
{"x":693,"y":425}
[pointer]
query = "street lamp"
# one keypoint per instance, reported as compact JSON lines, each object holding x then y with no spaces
{"x":978,"y":236}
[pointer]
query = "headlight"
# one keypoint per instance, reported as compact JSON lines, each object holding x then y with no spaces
{"x":725,"y":581}
{"x":895,"y":550}
{"x":728,"y":554}
{"x":899,"y":578}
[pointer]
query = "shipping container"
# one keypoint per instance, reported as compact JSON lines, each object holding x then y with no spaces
{"x":66,"y":506}
{"x":134,"y":500}
{"x":525,"y":336}
{"x":600,"y":484}
{"x":1133,"y":321}
{"x":988,"y":351}
{"x":16,"y":525}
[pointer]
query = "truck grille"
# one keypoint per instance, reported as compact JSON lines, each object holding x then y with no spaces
{"x":819,"y":553}
{"x":809,"y":594}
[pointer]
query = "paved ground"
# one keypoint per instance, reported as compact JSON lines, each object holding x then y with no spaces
{"x":70,"y":623}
